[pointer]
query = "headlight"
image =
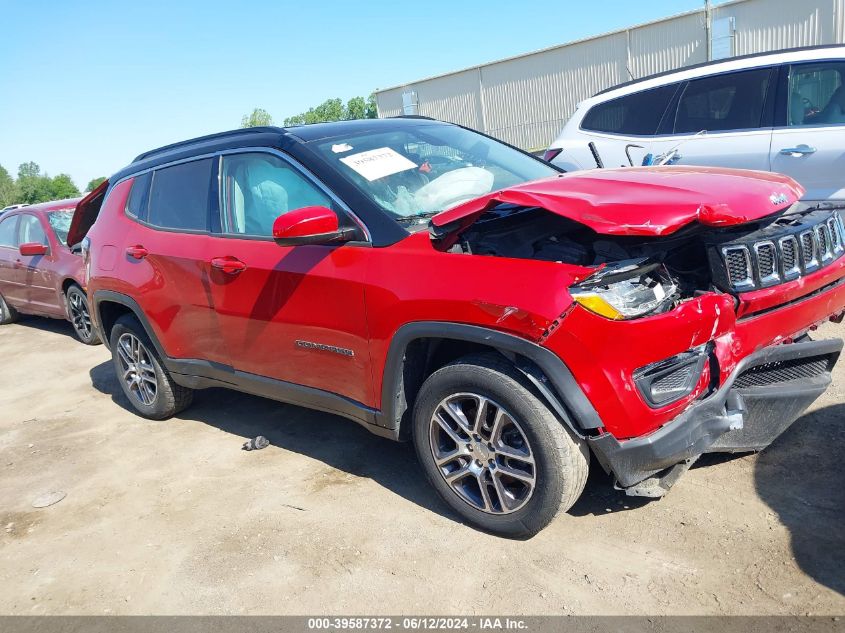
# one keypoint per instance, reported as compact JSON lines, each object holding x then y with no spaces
{"x":626,"y":291}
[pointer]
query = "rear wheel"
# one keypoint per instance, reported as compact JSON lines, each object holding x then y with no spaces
{"x":7,"y":313}
{"x":493,"y":450}
{"x":80,"y":316}
{"x":142,"y":375}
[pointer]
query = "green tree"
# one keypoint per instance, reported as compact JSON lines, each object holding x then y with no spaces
{"x":94,"y":183}
{"x":335,"y":110}
{"x":8,"y":191}
{"x":356,"y":108}
{"x":61,"y":187}
{"x":372,"y":108}
{"x":28,"y":170}
{"x":258,"y":118}
{"x":32,"y":186}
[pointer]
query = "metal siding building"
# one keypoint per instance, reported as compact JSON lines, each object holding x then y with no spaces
{"x":525,"y":100}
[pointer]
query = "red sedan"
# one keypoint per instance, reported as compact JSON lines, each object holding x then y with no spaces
{"x":39,"y":274}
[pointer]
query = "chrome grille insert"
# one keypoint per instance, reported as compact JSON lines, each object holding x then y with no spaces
{"x":836,"y":238}
{"x":823,"y":237}
{"x":767,"y":264}
{"x":809,"y":252}
{"x":738,"y":261}
{"x":789,"y":257}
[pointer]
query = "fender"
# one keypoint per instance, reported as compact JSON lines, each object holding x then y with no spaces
{"x":541,"y":366}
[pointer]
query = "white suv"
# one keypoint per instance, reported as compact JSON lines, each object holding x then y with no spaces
{"x":781,"y":112}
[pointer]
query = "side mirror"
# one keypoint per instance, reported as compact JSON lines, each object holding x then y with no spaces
{"x":32,"y":249}
{"x":309,"y":225}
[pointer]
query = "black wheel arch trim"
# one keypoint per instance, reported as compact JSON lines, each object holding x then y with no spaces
{"x":541,"y":366}
{"x":109,"y":296}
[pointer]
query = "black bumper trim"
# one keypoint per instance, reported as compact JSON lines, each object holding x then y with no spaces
{"x":698,"y":429}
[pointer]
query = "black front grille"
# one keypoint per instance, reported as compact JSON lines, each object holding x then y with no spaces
{"x":789,"y":247}
{"x":782,"y":371}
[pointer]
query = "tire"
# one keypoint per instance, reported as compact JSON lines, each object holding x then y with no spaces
{"x":79,"y":315}
{"x":7,"y":313}
{"x":528,"y":429}
{"x":139,"y":369}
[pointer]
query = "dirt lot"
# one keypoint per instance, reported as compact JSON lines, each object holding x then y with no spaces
{"x":173,"y":518}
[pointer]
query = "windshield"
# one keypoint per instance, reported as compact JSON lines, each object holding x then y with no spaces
{"x":420,"y":171}
{"x":60,"y":223}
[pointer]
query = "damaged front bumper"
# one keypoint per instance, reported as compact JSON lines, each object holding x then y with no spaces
{"x":762,"y":397}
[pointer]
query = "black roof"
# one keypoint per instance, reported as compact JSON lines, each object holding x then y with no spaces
{"x":280,"y":137}
{"x":716,"y":63}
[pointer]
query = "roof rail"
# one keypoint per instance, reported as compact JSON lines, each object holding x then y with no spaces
{"x":209,"y":137}
{"x":412,"y":116}
{"x":797,"y":49}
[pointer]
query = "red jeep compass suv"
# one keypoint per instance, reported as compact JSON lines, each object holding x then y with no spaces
{"x":434,"y":284}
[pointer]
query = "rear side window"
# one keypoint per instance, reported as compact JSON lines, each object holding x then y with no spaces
{"x":732,"y":101}
{"x":637,"y":114}
{"x":7,"y":231}
{"x":139,"y":197}
{"x":180,"y":195}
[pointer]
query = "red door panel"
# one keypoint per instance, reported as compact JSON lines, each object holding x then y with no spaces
{"x":169,"y":274}
{"x":11,"y":283}
{"x":295,"y":313}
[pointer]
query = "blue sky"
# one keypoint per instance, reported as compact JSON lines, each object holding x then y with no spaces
{"x":85,"y":86}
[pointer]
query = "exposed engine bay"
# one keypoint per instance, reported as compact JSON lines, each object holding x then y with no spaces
{"x":691,"y":261}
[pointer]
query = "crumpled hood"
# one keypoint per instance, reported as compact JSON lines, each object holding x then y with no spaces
{"x":647,"y":201}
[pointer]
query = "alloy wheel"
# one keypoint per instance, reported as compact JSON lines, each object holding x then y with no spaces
{"x":482,"y":453}
{"x":138,"y":373}
{"x":79,"y":315}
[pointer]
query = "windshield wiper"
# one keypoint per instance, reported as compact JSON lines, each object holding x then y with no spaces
{"x":416,"y":219}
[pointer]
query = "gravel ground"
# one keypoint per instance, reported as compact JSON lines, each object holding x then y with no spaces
{"x":173,"y":518}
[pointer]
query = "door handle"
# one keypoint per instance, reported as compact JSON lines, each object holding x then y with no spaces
{"x":18,"y":264}
{"x":798,"y":150}
{"x":229,"y":265}
{"x":137,"y":252}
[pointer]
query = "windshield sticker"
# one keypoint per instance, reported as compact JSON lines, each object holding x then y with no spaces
{"x":378,"y":163}
{"x":339,"y":148}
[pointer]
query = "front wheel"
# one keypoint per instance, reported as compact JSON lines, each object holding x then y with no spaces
{"x":493,"y":450}
{"x":80,"y":316}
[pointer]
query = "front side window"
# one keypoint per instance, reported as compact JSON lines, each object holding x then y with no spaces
{"x":637,"y":114}
{"x":816,"y":94}
{"x":256,"y":188}
{"x":180,"y":196}
{"x":732,"y":101}
{"x":8,"y":234}
{"x":420,"y":170}
{"x":60,"y":223}
{"x":30,"y":231}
